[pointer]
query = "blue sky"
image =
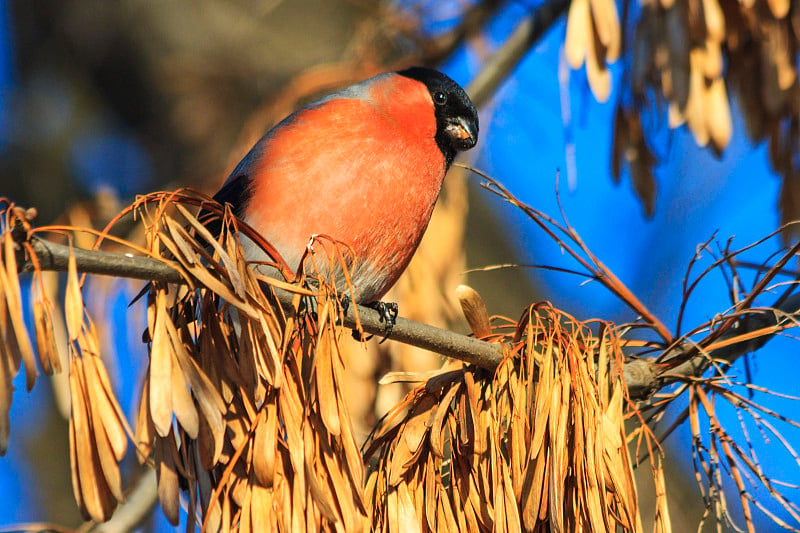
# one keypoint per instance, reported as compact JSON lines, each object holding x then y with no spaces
{"x":523,"y":145}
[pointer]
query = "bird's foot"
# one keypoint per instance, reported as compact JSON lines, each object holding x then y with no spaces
{"x":308,"y":307}
{"x":387,"y":312}
{"x":345,"y":301}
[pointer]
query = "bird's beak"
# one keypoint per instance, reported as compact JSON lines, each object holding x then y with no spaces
{"x":463,"y":132}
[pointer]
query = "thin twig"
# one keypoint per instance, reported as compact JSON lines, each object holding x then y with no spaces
{"x":696,"y":365}
{"x":642,"y":376}
{"x":590,"y":263}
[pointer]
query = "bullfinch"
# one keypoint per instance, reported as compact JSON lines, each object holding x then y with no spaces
{"x":363,"y":166}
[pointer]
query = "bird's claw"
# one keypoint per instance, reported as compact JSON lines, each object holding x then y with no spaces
{"x":387,"y":313}
{"x":308,"y":307}
{"x":345,"y":302}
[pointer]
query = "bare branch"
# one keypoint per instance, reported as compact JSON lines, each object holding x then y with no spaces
{"x":53,"y":256}
{"x":503,"y":62}
{"x":642,"y":376}
{"x":142,"y":498}
{"x":440,"y":48}
{"x":752,"y":322}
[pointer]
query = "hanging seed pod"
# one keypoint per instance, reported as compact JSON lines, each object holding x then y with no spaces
{"x":718,"y":115}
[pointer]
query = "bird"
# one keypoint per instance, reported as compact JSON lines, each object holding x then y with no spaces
{"x":363,"y":166}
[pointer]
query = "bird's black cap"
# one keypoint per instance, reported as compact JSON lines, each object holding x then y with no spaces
{"x":456,"y":116}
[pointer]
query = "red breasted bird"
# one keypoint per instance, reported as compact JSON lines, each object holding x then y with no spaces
{"x":364,"y":166}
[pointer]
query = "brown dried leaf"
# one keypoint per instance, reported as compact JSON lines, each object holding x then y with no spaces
{"x":479,"y":434}
{"x":475,"y":312}
{"x":77,"y":491}
{"x":45,"y":335}
{"x":715,"y":21}
{"x":7,"y":371}
{"x":718,"y":114}
{"x":325,"y":380}
{"x":342,"y":492}
{"x":321,"y":498}
{"x":95,"y":494}
{"x":160,"y":370}
{"x":208,"y":398}
{"x":230,"y":267}
{"x":264,"y":445}
{"x":606,"y":26}
{"x":695,"y":18}
{"x":400,"y":463}
{"x":545,"y":391}
{"x":712,"y":60}
{"x":182,"y":404}
{"x":104,"y":403}
{"x":209,"y":448}
{"x":644,"y":50}
{"x":261,"y":501}
{"x":696,"y":111}
{"x":678,"y":65}
{"x":513,"y":521}
{"x":534,"y":495}
{"x":6,"y":391}
{"x":576,"y":475}
{"x":20,"y":339}
{"x":446,"y":519}
{"x":596,"y":70}
{"x":438,"y":436}
{"x":405,"y":511}
{"x":73,"y":301}
{"x":662,"y":523}
{"x":183,"y":250}
{"x":794,"y":16}
{"x":578,"y":34}
{"x":205,"y":277}
{"x":145,"y":432}
{"x":167,"y":473}
{"x":101,"y":443}
{"x":644,"y":180}
{"x":779,"y":8}
{"x":778,"y":72}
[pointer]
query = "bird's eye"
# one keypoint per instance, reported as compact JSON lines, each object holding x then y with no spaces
{"x":440,"y":98}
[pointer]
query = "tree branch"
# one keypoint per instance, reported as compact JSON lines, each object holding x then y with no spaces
{"x":440,"y":48}
{"x":642,"y":376}
{"x":140,"y":501}
{"x":506,"y":58}
{"x":53,"y":256}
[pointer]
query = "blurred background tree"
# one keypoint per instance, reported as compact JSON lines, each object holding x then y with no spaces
{"x":102,"y":101}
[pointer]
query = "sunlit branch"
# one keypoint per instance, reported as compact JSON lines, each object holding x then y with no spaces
{"x":53,"y":256}
{"x":527,"y":33}
{"x":642,"y":376}
{"x":763,"y":320}
{"x":440,"y":48}
{"x":141,"y":500}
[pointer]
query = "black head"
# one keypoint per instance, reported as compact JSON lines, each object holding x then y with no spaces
{"x":456,"y":117}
